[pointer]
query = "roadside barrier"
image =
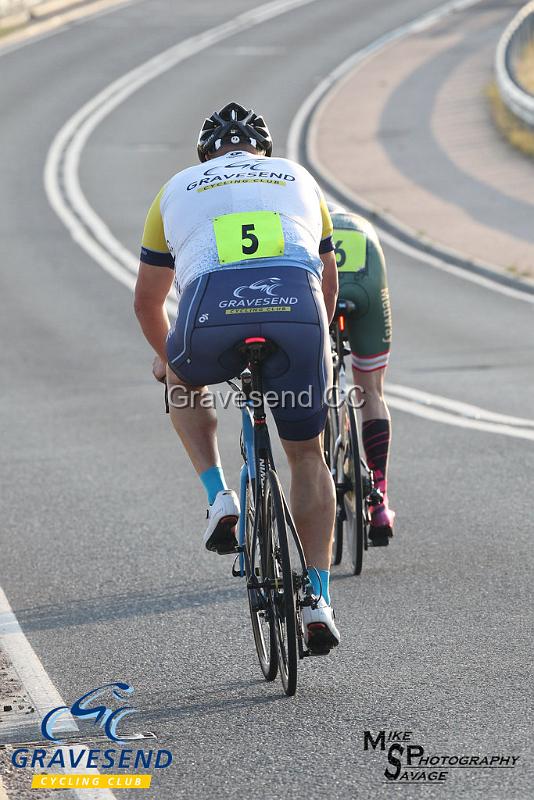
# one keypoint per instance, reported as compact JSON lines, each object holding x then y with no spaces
{"x":516,"y":36}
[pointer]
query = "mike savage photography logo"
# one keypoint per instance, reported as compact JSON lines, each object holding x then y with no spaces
{"x":91,"y":767}
{"x":408,"y":762}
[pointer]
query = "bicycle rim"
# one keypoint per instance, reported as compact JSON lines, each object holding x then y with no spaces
{"x":354,"y":495}
{"x":283,"y":593}
{"x":261,"y":614}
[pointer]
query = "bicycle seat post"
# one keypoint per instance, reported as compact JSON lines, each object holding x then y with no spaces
{"x":256,"y":349}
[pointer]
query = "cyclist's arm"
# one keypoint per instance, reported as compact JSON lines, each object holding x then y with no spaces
{"x":151,"y":290}
{"x":330,"y":283}
{"x":154,"y":280}
{"x":327,"y":254}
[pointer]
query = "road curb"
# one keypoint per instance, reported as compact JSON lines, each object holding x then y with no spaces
{"x":397,"y":229}
{"x":35,"y":11}
{"x":50,"y":16}
{"x":14,"y":20}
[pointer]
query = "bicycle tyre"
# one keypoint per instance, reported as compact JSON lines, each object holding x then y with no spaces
{"x":261,"y":618}
{"x":331,"y":433}
{"x":283,"y":593}
{"x":353,"y":497}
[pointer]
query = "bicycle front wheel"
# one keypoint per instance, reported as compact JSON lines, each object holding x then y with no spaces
{"x":331,"y":433}
{"x":353,"y":495}
{"x":283,"y":592}
{"x":259,"y":557}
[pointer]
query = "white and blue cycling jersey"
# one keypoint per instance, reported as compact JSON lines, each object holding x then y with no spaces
{"x":237,"y":210}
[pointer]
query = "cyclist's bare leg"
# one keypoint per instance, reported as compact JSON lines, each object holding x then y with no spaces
{"x":195,"y":425}
{"x":374,"y":404}
{"x":313,"y":500}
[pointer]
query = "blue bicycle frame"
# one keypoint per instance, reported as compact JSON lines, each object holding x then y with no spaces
{"x":248,"y":474}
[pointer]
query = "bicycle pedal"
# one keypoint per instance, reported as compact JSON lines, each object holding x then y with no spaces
{"x":379,"y":537}
{"x":376,"y":497}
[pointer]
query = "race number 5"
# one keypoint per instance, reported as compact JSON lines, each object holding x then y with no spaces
{"x":246,"y":233}
{"x":351,"y":250}
{"x":255,"y":234}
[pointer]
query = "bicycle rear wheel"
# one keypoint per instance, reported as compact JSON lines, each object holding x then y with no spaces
{"x":331,"y":433}
{"x":353,"y":497}
{"x":283,"y":592}
{"x":261,"y":613}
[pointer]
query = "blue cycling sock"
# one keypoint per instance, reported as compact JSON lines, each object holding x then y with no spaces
{"x":213,"y":482}
{"x":320,"y":579}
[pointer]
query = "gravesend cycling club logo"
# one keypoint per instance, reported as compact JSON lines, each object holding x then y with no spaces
{"x":268,"y":286}
{"x":104,"y":708}
{"x":262,"y":295}
{"x":105,"y":717}
{"x":239,"y":172}
{"x":409,"y":762}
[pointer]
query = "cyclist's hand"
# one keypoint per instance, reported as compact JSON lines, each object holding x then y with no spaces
{"x":159,"y":369}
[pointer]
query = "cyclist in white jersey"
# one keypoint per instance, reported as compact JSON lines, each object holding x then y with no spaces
{"x":249,"y":239}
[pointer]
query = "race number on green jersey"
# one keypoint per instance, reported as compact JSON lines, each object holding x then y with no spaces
{"x":351,"y":248}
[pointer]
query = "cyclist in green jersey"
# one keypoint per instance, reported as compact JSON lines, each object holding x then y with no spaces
{"x":363,"y":280}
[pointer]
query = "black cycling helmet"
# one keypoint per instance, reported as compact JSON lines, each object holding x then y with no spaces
{"x":233,"y":124}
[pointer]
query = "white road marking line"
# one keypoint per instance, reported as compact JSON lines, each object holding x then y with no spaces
{"x":320,"y":95}
{"x":463,"y":409}
{"x":37,"y":683}
{"x":435,"y":415}
{"x":3,"y":793}
{"x":42,"y":691}
{"x":96,"y":239}
{"x":452,"y":412}
{"x":64,"y":155}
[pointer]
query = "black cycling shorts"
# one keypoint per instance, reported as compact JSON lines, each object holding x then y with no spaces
{"x":220,"y":309}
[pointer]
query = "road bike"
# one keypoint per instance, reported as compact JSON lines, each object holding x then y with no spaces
{"x":276,"y":590}
{"x":355,"y":489}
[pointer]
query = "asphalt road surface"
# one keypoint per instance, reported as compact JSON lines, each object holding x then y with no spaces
{"x":102,"y":515}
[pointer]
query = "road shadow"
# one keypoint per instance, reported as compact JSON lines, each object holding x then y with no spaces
{"x":111,"y":607}
{"x":162,"y":707}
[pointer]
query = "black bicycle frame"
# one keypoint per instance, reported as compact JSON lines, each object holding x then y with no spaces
{"x":263,"y":457}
